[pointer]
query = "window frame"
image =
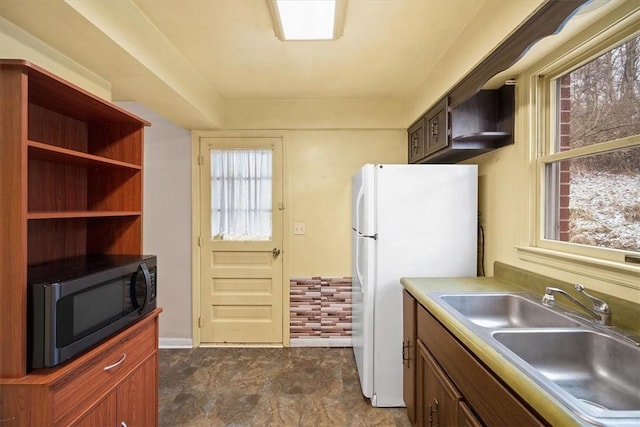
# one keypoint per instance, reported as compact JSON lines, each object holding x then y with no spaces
{"x":540,"y":124}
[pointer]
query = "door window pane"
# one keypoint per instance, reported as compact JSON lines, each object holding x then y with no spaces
{"x":241,"y":194}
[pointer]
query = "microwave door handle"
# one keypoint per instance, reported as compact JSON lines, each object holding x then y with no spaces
{"x":147,"y":285}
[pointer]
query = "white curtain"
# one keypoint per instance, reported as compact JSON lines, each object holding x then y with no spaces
{"x":241,"y":194}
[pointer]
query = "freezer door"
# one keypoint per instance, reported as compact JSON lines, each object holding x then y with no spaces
{"x":362,"y":207}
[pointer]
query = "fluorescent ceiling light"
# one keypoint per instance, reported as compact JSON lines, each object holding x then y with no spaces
{"x":307,"y":19}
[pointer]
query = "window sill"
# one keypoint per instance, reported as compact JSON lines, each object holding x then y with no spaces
{"x":608,"y":271}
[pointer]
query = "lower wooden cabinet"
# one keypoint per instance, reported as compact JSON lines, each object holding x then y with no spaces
{"x":103,"y":413}
{"x":450,"y":386}
{"x":114,"y":384}
{"x":438,"y":399}
{"x":136,"y":400}
{"x":466,"y":417}
{"x":409,"y":355}
{"x":132,"y":403}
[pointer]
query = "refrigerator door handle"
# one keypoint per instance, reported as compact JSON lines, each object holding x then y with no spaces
{"x":357,"y":227}
{"x":358,"y":234}
{"x":357,"y":214}
{"x":357,"y":262}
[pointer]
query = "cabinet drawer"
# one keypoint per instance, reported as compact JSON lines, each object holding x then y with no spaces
{"x":103,"y":368}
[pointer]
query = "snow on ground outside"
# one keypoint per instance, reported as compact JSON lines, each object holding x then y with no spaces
{"x":605,"y":210}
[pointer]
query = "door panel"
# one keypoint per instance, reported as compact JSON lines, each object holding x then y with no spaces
{"x":241,"y":280}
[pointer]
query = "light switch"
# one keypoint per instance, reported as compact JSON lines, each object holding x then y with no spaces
{"x":299,"y":228}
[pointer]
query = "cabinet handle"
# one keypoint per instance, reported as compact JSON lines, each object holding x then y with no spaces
{"x":435,"y":128}
{"x":414,"y":143}
{"x":123,"y":424}
{"x":406,"y":353}
{"x":433,"y":410}
{"x":124,"y":356}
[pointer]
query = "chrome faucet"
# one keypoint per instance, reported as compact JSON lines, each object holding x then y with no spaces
{"x":600,"y":312}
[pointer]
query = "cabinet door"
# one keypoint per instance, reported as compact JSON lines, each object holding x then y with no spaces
{"x":102,"y":414}
{"x":416,"y":141}
{"x":137,"y":396}
{"x":437,"y":131}
{"x":409,"y":354}
{"x":438,"y":399}
{"x":466,"y":418}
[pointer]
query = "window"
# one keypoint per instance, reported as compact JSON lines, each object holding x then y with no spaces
{"x":590,"y":163}
{"x":241,"y":194}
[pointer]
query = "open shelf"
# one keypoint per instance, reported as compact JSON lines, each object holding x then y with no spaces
{"x":80,"y":214}
{"x":71,"y":171}
{"x":41,"y":151}
{"x":488,"y":137}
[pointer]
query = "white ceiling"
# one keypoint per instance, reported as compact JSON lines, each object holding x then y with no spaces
{"x":174,"y":54}
{"x":386,"y":49}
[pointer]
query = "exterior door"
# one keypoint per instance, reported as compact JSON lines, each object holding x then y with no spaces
{"x":241,"y":240}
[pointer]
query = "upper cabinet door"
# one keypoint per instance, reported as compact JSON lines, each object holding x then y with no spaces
{"x":437,"y":132}
{"x":416,"y":141}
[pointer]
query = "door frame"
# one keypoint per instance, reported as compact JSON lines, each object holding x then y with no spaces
{"x":196,"y":135}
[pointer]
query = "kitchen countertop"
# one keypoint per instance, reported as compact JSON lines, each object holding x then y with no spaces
{"x":541,"y":401}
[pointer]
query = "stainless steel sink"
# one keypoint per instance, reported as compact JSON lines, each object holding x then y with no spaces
{"x":594,"y":368}
{"x":506,"y":310}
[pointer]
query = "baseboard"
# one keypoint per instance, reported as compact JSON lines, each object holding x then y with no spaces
{"x":175,"y":343}
{"x":321,"y":342}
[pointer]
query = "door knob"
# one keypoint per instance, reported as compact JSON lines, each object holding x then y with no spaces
{"x":275,"y":252}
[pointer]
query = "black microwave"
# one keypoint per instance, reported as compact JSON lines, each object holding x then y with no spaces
{"x":76,"y":303}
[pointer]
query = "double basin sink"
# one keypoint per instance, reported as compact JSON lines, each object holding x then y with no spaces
{"x":592,"y":370}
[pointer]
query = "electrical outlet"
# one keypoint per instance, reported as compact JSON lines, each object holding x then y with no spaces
{"x":299,"y":228}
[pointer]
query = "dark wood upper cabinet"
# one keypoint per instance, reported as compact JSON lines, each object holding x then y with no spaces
{"x":416,"y":141}
{"x":437,"y":132}
{"x":482,"y":123}
{"x":469,"y":121}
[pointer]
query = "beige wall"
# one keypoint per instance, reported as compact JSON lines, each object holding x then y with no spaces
{"x":18,"y":44}
{"x":167,"y":219}
{"x":320,"y":166}
{"x":493,"y":23}
{"x":327,"y":141}
{"x":315,"y":114}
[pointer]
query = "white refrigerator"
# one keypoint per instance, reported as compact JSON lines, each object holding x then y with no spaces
{"x":408,"y":221}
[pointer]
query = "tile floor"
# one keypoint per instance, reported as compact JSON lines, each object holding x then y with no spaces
{"x":266,"y":387}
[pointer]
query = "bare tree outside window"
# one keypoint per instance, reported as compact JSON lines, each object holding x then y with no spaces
{"x":593,"y":197}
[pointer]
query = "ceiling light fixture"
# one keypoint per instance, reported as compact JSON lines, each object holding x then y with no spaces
{"x":308,"y":19}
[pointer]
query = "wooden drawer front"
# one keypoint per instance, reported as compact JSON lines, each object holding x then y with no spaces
{"x":89,"y":381}
{"x":491,"y":400}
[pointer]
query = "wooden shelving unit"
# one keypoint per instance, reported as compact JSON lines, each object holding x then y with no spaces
{"x":70,"y":184}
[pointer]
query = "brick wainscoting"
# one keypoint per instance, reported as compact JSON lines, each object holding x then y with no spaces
{"x":320,"y":307}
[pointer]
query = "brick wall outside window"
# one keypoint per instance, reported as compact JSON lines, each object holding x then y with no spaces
{"x":564,"y":136}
